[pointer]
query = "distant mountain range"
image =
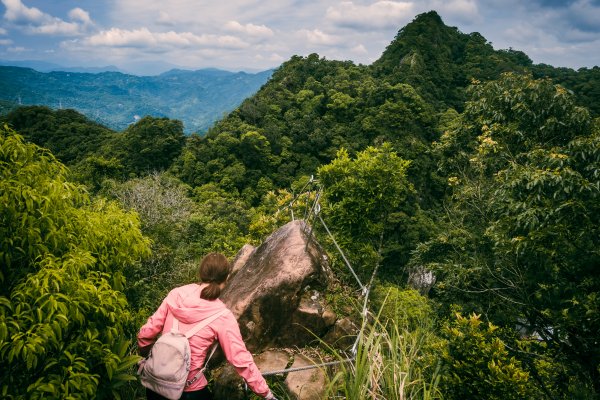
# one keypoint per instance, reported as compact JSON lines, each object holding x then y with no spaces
{"x":116,"y":99}
{"x":44,"y":66}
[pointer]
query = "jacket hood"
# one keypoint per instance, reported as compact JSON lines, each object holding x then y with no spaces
{"x":186,"y":305}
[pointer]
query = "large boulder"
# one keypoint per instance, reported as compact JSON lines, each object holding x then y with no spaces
{"x":277,"y":295}
{"x":343,"y":334}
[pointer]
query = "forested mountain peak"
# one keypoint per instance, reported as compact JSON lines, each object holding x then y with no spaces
{"x":426,"y":32}
{"x":439,"y":60}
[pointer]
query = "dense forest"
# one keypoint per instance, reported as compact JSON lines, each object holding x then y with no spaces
{"x":445,"y":158}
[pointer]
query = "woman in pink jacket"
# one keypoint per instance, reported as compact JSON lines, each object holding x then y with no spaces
{"x":190,"y":304}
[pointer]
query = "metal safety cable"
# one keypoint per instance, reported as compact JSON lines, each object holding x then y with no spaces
{"x":315,"y":210}
{"x":362,"y":287}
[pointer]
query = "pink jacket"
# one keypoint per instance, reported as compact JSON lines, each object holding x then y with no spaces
{"x":186,"y":305}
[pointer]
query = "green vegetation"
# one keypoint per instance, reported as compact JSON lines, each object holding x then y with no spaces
{"x":389,"y":365}
{"x":65,"y":327}
{"x":465,"y":171}
{"x":521,"y":233}
{"x":476,"y":353}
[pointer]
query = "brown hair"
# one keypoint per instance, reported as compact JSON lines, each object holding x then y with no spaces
{"x":214,"y":269}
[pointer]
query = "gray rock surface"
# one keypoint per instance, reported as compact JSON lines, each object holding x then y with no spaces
{"x":240,"y":259}
{"x":342,"y":335}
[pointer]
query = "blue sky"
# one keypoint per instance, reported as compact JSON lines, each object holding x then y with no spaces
{"x":150,"y":36}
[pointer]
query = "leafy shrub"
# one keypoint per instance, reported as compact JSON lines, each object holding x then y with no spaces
{"x":64,"y":321}
{"x":406,"y":307}
{"x":391,"y":363}
{"x":477,"y":364}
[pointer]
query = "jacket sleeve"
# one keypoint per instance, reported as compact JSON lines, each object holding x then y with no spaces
{"x":236,"y":353}
{"x":149,"y":332}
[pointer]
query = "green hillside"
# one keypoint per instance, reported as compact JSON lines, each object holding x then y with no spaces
{"x":440,"y":61}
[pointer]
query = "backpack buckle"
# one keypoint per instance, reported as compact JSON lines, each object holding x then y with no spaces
{"x":196,"y":377}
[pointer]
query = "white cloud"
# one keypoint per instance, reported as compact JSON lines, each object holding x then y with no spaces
{"x":56,"y":27}
{"x":143,"y":37}
{"x":77,"y":14}
{"x":16,"y":11}
{"x":319,"y":38}
{"x":381,"y":14}
{"x":16,"y":49}
{"x":274,"y":57}
{"x":359,"y":49}
{"x":261,"y":33}
{"x":578,"y":36}
{"x":194,"y":14}
{"x":165,"y":19}
{"x":34,"y":21}
{"x":5,"y":42}
{"x":249,"y":29}
{"x":464,"y":11}
{"x":585,"y":15}
{"x":522,"y":32}
{"x":555,"y":28}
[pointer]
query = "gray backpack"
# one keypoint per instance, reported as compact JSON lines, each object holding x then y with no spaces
{"x":166,"y":369}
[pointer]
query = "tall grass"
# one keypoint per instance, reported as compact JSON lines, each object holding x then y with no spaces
{"x":392,"y":362}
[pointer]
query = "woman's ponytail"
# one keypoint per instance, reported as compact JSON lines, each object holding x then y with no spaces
{"x":214,"y":269}
{"x":211,"y":292}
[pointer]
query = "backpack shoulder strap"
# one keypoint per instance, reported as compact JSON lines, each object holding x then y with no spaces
{"x":175,"y":326}
{"x":196,"y":328}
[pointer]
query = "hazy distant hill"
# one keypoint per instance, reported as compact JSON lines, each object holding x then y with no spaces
{"x":197,"y":98}
{"x":44,"y":66}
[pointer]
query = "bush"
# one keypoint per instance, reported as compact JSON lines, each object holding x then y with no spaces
{"x":391,"y":363}
{"x":64,"y":321}
{"x":477,"y":364}
{"x":406,"y":307}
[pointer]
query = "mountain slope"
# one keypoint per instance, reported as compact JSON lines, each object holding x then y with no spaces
{"x":311,"y":107}
{"x":439,"y":60}
{"x":197,"y":98}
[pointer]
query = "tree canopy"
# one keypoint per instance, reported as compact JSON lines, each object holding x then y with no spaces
{"x":521,"y":237}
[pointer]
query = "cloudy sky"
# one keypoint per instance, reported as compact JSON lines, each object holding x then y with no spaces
{"x":149,"y":36}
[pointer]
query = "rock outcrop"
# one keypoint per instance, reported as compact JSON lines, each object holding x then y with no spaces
{"x":303,"y":384}
{"x":421,"y":279}
{"x":240,"y":259}
{"x":277,"y":295}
